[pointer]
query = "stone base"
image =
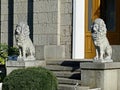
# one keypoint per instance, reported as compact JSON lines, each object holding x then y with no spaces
{"x":12,"y":65}
{"x":95,"y":89}
{"x":72,"y":87}
{"x":25,"y":59}
{"x":50,"y":52}
{"x":101,"y":75}
{"x":103,"y":61}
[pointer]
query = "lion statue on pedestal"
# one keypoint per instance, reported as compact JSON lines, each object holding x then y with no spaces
{"x":103,"y":48}
{"x":24,"y":43}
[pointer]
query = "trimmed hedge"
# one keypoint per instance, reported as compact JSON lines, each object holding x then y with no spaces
{"x":35,"y":78}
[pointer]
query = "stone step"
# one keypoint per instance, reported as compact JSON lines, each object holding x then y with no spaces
{"x":64,"y":74}
{"x":67,"y":62}
{"x":62,"y":68}
{"x":95,"y":89}
{"x":63,"y":63}
{"x":71,"y":87}
{"x":68,"y":73}
{"x":68,"y":81}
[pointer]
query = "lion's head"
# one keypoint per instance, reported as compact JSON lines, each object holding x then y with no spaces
{"x":22,"y":29}
{"x":98,"y":29}
{"x":98,"y":26}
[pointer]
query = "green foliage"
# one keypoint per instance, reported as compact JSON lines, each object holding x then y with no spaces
{"x":3,"y":53}
{"x":2,"y":61}
{"x":35,"y":78}
{"x":13,"y":51}
{"x":6,"y":51}
{"x":3,"y":50}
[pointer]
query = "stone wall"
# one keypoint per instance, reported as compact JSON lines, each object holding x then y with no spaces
{"x":12,"y":13}
{"x":116,"y":53}
{"x":46,"y":22}
{"x":4,"y":21}
{"x":43,"y":23}
{"x":50,"y":21}
{"x":66,"y":26}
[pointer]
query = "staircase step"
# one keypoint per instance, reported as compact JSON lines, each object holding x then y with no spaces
{"x":64,"y":74}
{"x":68,"y":60}
{"x":95,"y":89}
{"x":71,"y":87}
{"x":68,"y":73}
{"x":62,"y":68}
{"x":63,"y":63}
{"x":68,"y":81}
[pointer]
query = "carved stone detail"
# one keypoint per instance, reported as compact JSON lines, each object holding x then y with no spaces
{"x":103,"y":48}
{"x":23,"y":41}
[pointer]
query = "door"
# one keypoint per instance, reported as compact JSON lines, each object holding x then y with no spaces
{"x":92,"y":11}
{"x":109,"y":11}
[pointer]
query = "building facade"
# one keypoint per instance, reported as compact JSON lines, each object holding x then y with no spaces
{"x":60,"y":29}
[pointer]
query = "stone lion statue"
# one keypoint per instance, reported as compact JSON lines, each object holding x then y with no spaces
{"x":23,"y":41}
{"x":103,"y":48}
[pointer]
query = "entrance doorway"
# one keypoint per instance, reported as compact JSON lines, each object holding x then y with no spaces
{"x":109,"y":11}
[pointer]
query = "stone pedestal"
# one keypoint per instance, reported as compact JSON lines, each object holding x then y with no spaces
{"x":50,"y":52}
{"x":101,"y":75}
{"x":12,"y":65}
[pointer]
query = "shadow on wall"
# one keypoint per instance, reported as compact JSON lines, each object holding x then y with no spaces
{"x":30,"y":17}
{"x":10,"y":21}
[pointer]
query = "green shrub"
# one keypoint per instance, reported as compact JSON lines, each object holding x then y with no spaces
{"x":3,"y":57}
{"x":6,"y":51}
{"x":3,"y":53}
{"x":13,"y":51}
{"x":35,"y":78}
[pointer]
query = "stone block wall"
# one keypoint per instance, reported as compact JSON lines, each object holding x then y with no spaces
{"x":46,"y":22}
{"x":12,"y":12}
{"x":116,"y":54}
{"x":45,"y":19}
{"x":4,"y":21}
{"x":50,"y":21}
{"x":66,"y":26}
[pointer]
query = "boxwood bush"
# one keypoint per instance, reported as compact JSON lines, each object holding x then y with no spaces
{"x":34,"y":78}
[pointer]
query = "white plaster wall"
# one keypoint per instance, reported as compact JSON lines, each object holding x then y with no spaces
{"x":78,"y":29}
